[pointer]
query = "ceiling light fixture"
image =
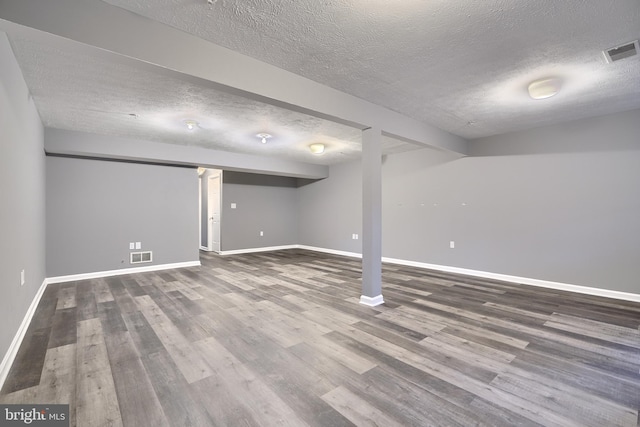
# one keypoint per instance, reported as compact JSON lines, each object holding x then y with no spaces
{"x":317,"y":148}
{"x":263,"y":137}
{"x":191,"y":124}
{"x":544,"y":88}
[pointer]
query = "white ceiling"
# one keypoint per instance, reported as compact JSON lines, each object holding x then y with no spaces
{"x":98,"y":93}
{"x":462,"y":66}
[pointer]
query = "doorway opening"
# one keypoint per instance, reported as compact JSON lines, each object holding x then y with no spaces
{"x":210,"y":210}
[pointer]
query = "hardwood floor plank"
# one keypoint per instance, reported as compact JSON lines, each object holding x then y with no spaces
{"x":29,"y":361}
{"x":102,"y":291}
{"x":86,"y":306}
{"x":594,"y":329}
{"x":23,"y":396}
{"x":358,"y":410}
{"x":144,"y":338}
{"x":63,"y":328}
{"x":192,"y":366}
{"x":624,"y":392}
{"x":58,"y":381}
{"x":279,"y":338}
{"x":66,"y":298}
{"x":494,"y":415}
{"x":342,"y":355}
{"x":139,"y":405}
{"x":244,"y":385}
{"x":96,"y":399}
{"x":555,"y":396}
{"x":224,"y":406}
{"x":180,"y":405}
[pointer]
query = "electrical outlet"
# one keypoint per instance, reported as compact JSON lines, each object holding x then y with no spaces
{"x":138,"y":245}
{"x":262,"y":233}
{"x":132,"y":245}
{"x":452,"y":244}
{"x":354,"y":236}
{"x":22,"y":278}
{"x":233,"y":205}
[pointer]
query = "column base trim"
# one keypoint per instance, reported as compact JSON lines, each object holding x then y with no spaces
{"x":371,"y":301}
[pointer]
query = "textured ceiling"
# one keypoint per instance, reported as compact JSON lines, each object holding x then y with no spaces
{"x":79,"y":91}
{"x":461,"y":65}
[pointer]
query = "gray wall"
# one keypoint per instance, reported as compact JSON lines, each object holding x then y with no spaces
{"x":263,"y":203}
{"x":22,"y":188}
{"x":95,"y":208}
{"x":560,"y":203}
{"x":330,"y":210}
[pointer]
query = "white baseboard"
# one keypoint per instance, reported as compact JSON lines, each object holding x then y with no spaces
{"x":371,"y":301}
{"x":627,"y":296}
{"x":204,"y":248}
{"x":253,"y":250}
{"x":330,"y":251}
{"x":109,"y":273}
{"x":11,"y":353}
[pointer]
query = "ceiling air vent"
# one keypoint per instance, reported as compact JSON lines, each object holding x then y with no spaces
{"x":625,"y":51}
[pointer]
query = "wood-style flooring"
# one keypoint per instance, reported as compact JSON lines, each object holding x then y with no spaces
{"x":279,"y":338}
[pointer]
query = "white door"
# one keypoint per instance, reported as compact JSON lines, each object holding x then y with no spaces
{"x":214,"y":213}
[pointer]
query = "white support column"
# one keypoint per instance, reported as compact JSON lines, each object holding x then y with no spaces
{"x":371,"y":217}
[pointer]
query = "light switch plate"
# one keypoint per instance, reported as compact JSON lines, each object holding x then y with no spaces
{"x":132,"y":245}
{"x":233,"y":205}
{"x":138,"y":245}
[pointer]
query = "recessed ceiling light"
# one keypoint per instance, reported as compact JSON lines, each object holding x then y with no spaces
{"x":317,"y":148}
{"x":191,"y":124}
{"x":263,"y":137}
{"x":544,"y":88}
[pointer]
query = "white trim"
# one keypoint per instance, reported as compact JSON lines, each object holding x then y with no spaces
{"x":371,"y":301}
{"x":330,"y":251}
{"x":204,"y":248}
{"x":252,"y":250}
{"x":627,"y":296}
{"x":11,"y":353}
{"x":95,"y":275}
{"x":521,"y":280}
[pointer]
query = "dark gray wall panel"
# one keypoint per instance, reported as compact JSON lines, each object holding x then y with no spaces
{"x":567,"y":213}
{"x":263,"y":203}
{"x":22,"y":188}
{"x":330,"y":210}
{"x":95,"y":208}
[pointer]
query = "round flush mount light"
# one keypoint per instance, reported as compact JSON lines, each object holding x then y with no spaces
{"x":191,"y":124}
{"x":544,"y":88}
{"x":317,"y":148}
{"x":263,"y":137}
